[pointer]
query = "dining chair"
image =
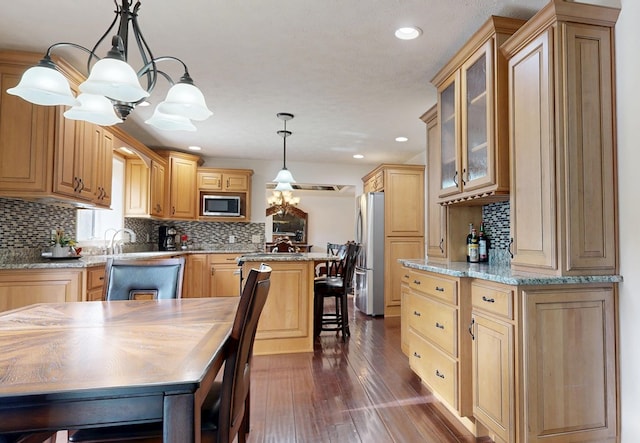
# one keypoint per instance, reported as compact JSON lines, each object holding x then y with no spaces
{"x":225,"y":410}
{"x":143,"y":279}
{"x":283,"y":244}
{"x":336,"y":287}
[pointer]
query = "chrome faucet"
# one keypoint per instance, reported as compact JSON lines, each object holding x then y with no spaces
{"x":132,"y":238}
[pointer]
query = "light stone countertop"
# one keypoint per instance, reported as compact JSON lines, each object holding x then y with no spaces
{"x":503,"y":274}
{"x":88,"y":261}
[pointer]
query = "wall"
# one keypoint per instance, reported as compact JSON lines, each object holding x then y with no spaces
{"x":628,"y":112}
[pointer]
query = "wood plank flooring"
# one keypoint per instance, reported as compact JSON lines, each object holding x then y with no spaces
{"x":359,"y":391}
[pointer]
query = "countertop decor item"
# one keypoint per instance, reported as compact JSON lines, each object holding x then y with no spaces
{"x":113,"y":88}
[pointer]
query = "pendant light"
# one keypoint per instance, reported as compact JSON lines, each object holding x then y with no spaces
{"x":284,"y":177}
{"x":113,"y":89}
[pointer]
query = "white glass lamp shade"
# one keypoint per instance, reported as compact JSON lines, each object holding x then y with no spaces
{"x":95,"y":109}
{"x":115,"y":79}
{"x":44,"y":86}
{"x":284,"y":176}
{"x":284,"y":187}
{"x":169,"y":122}
{"x":185,"y":100}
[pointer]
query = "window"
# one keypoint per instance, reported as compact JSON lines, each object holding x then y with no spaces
{"x":92,"y":224}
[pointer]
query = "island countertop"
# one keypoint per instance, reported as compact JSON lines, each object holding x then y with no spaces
{"x":504,"y":273}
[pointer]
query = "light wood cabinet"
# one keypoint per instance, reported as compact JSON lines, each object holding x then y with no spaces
{"x":554,"y":377}
{"x":374,"y":183}
{"x":397,"y":248}
{"x":181,"y":192}
{"x":24,"y":287}
{"x":94,"y":283}
{"x":437,"y":316}
{"x":144,"y":188}
{"x":229,"y":182}
{"x":471,"y":110}
{"x":562,"y":140}
{"x":212,"y":275}
{"x":437,"y":244}
{"x":43,"y":154}
{"x":223,"y":179}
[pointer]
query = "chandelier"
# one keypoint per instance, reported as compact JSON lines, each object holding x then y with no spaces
{"x":113,"y":87}
{"x":284,"y":178}
{"x":283,"y":201}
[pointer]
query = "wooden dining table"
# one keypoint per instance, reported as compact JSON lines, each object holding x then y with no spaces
{"x":87,"y":364}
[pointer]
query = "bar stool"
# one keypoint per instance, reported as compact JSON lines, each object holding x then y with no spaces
{"x":336,"y":287}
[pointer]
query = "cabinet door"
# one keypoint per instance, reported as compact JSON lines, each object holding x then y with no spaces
{"x":404,"y":203}
{"x":436,"y":213}
{"x":210,"y":181}
{"x":26,"y":138}
{"x":196,"y":276}
{"x":156,"y":198}
{"x":493,"y":375}
{"x":75,"y":159}
{"x":103,"y":168}
{"x":136,"y":198}
{"x":182,"y":188}
{"x":396,"y":248}
{"x":25,"y":287}
{"x":224,"y":279}
{"x":448,"y":114}
{"x":235,"y":182}
{"x":533,"y":182}
{"x":477,"y":99}
{"x":570,"y":362}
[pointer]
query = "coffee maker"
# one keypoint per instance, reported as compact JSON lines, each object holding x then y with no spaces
{"x":167,"y":238}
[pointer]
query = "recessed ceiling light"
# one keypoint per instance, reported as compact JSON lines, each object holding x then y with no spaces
{"x":194,"y":148}
{"x":402,"y":139}
{"x":408,"y":33}
{"x":358,"y":156}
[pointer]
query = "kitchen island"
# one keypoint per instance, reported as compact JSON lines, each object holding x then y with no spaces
{"x":286,"y":324}
{"x":515,"y":355}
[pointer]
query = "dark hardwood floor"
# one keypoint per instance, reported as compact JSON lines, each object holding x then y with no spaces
{"x":359,"y":391}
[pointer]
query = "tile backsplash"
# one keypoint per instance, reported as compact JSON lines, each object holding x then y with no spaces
{"x":496,"y":218}
{"x":25,"y":229}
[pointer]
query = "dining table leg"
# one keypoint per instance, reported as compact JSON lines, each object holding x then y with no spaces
{"x":181,"y":419}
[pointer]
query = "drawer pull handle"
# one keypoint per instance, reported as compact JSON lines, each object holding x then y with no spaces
{"x":406,"y":276}
{"x":488,"y":300}
{"x":416,"y":313}
{"x":416,"y":282}
{"x":416,"y":355}
{"x":439,"y":289}
{"x":439,"y":326}
{"x":473,"y":320}
{"x":100,"y":278}
{"x":439,"y":374}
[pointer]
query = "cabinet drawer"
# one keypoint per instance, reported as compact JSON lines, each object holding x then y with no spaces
{"x":95,"y":277}
{"x":437,"y":370}
{"x":494,"y":299}
{"x":405,"y":277}
{"x":435,"y":321}
{"x":441,"y":288}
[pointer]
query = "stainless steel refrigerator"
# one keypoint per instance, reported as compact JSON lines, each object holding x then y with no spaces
{"x":369,"y":275}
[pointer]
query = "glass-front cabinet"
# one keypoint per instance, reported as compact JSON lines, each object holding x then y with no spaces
{"x":472,"y":104}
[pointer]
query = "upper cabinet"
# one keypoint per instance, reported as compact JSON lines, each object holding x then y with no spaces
{"x":562,"y":122}
{"x":44,"y":155}
{"x":181,"y":192}
{"x":472,"y":118}
{"x":226,"y":182}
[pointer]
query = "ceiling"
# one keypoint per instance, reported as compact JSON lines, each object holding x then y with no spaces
{"x":336,"y":65}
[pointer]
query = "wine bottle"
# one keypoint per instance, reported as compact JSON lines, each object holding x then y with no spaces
{"x":474,"y":255}
{"x":483,"y":244}
{"x":469,"y":241}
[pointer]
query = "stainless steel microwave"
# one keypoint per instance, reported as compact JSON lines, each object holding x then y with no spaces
{"x":221,"y":205}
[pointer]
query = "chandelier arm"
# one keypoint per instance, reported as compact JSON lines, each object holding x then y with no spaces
{"x":148,"y":60}
{"x":92,"y":52}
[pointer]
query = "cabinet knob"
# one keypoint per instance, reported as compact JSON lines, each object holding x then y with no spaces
{"x":416,"y":282}
{"x":439,"y":374}
{"x":416,"y":355}
{"x":439,"y":326}
{"x":417,"y":314}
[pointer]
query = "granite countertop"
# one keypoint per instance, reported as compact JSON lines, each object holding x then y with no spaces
{"x":503,"y":273}
{"x":87,"y":261}
{"x":286,"y":256}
